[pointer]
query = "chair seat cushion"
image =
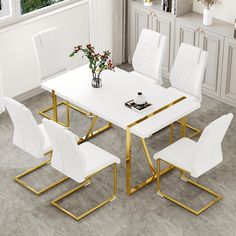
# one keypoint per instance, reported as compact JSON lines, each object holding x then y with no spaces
{"x":96,"y":158}
{"x":141,"y":76}
{"x":180,"y":154}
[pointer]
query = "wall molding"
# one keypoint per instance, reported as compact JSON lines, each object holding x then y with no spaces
{"x":29,"y":94}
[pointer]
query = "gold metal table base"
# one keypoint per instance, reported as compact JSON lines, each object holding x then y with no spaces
{"x":196,"y":212}
{"x":37,"y":192}
{"x":67,"y":105}
{"x":84,"y":184}
{"x":129,"y":189}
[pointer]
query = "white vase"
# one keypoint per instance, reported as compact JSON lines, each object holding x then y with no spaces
{"x":140,"y":99}
{"x":207,"y":16}
{"x":147,"y":4}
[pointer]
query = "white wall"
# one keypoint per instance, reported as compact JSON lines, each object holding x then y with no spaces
{"x":226,"y":10}
{"x":17,"y":58}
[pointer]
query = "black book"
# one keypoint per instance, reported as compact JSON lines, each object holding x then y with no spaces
{"x":137,"y":107}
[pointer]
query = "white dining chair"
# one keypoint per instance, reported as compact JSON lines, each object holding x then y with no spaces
{"x":31,"y":138}
{"x":195,"y":158}
{"x":187,"y":74}
{"x":78,"y":162}
{"x":2,"y":107}
{"x":149,"y":55}
{"x":51,"y":63}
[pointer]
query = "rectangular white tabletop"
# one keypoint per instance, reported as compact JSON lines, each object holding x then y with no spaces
{"x":108,"y":102}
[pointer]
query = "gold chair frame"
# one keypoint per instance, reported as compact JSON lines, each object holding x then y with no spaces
{"x":183,"y":177}
{"x":84,"y":184}
{"x":67,"y":105}
{"x":27,"y":172}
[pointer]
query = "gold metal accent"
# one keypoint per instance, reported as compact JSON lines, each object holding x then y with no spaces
{"x":196,"y":212}
{"x":54,"y":107}
{"x":183,"y":122}
{"x":130,"y":190}
{"x":37,"y":192}
{"x":76,"y":217}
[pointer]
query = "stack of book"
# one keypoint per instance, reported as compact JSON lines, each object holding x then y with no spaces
{"x":168,"y":6}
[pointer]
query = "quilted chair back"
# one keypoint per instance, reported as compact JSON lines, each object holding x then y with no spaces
{"x":149,"y":54}
{"x":48,"y":52}
{"x":189,"y":69}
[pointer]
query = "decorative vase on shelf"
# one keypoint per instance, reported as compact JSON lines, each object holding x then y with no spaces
{"x":97,"y":62}
{"x":207,"y":16}
{"x":147,"y":3}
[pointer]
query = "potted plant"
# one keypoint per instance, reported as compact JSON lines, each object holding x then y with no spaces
{"x":147,"y":3}
{"x":207,"y":15}
{"x":97,"y":62}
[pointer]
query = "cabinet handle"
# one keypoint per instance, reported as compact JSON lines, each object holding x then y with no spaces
{"x":202,"y":32}
{"x":154,"y":14}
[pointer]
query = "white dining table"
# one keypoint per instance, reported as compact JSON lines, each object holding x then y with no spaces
{"x":108,"y":103}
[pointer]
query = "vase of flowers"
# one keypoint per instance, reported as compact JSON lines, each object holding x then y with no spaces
{"x":97,"y":62}
{"x":147,"y":3}
{"x":207,"y":14}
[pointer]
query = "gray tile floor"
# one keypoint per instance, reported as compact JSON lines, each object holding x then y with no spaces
{"x":144,"y":213}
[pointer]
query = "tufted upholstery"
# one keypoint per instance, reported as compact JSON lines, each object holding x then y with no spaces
{"x":48,"y":53}
{"x":188,"y":70}
{"x":28,"y":135}
{"x":149,"y":54}
{"x":73,"y":160}
{"x":198,"y":157}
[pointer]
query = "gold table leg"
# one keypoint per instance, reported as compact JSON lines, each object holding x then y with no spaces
{"x":129,"y":189}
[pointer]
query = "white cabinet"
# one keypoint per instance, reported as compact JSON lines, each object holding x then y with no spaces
{"x":214,"y":44}
{"x":164,"y":24}
{"x":140,"y":19}
{"x":185,"y":33}
{"x":228,"y":87}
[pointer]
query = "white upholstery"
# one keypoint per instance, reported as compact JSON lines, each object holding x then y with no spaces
{"x":73,"y":160}
{"x":48,"y":52}
{"x":198,"y":157}
{"x":149,"y":55}
{"x":2,"y":107}
{"x":28,"y":135}
{"x":188,"y":70}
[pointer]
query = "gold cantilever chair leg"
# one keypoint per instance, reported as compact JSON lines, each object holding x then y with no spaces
{"x":37,"y":192}
{"x":84,"y":184}
{"x":196,"y":212}
{"x":67,"y":105}
{"x":196,"y":131}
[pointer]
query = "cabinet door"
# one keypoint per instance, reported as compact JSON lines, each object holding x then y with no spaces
{"x":213,"y":44}
{"x":228,"y":88}
{"x":165,"y":25}
{"x":140,"y":19}
{"x":185,"y":33}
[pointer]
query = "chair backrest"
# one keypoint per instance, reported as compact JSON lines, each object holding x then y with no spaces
{"x":48,"y":53}
{"x":67,"y":158}
{"x":2,"y":107}
{"x":188,"y":70}
{"x":27,"y":134}
{"x":209,"y":151}
{"x":149,"y":54}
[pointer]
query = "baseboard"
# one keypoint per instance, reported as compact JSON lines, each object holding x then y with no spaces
{"x":29,"y":94}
